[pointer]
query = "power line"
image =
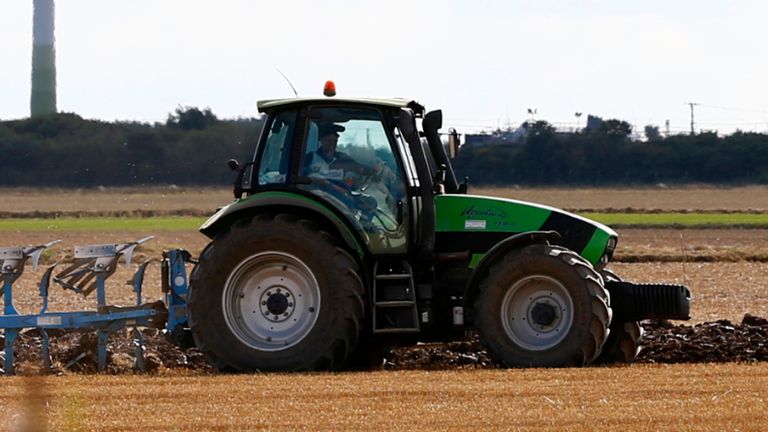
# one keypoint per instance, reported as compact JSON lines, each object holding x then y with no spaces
{"x":734,"y":109}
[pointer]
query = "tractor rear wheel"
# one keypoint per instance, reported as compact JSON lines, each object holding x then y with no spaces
{"x":542,"y":306}
{"x":275,"y":293}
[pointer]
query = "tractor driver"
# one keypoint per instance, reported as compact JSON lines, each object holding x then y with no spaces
{"x":327,"y":163}
{"x":337,"y":170}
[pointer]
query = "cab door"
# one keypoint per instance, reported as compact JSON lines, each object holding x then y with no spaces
{"x":351,"y":163}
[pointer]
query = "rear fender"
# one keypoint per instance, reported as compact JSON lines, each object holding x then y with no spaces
{"x":517,"y":241}
{"x":283,"y":202}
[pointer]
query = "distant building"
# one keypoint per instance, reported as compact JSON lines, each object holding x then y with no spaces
{"x":500,"y":137}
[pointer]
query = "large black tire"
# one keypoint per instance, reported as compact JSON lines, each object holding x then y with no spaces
{"x":542,"y":306}
{"x":276,"y":293}
{"x":623,"y":343}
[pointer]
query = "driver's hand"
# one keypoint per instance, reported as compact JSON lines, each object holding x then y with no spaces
{"x":351,"y":179}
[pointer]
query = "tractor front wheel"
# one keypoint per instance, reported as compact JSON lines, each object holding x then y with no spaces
{"x":542,"y":306}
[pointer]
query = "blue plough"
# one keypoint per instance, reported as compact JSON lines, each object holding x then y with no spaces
{"x":91,"y":268}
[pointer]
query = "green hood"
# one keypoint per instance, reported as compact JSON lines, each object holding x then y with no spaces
{"x":477,"y":223}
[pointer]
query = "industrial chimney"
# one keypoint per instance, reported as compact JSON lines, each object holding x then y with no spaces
{"x":43,"y":99}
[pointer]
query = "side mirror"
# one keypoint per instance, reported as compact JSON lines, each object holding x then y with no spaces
{"x":235,"y":166}
{"x":453,"y":143}
{"x":464,"y":187}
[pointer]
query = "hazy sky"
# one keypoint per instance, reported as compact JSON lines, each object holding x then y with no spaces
{"x":483,"y":62}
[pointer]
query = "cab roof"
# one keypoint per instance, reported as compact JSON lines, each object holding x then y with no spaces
{"x":272,"y":104}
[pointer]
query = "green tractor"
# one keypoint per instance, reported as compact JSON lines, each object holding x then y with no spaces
{"x":350,"y":233}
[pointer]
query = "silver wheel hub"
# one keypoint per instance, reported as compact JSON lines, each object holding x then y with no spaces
{"x":537,"y":312}
{"x":277,"y":304}
{"x":271,"y":300}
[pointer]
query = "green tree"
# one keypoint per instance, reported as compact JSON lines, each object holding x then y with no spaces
{"x":191,"y":118}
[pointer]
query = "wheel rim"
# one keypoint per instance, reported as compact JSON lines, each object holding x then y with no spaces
{"x":271,"y":301}
{"x":537,"y":312}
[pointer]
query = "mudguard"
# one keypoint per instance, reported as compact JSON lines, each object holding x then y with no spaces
{"x":290,"y":202}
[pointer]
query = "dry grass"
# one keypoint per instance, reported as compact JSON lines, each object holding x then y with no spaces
{"x":682,"y":398}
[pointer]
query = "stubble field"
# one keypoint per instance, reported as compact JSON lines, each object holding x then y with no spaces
{"x":724,"y":267}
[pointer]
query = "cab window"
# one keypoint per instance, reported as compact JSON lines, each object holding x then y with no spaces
{"x":276,"y":152}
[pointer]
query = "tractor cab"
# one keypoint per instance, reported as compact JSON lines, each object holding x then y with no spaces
{"x":354,"y":158}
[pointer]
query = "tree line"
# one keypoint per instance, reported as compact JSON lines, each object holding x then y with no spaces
{"x":606,"y":155}
{"x":193,"y":145}
{"x":65,"y":150}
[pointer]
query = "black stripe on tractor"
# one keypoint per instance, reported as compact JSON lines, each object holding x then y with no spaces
{"x":474,"y":241}
{"x":575,"y":233}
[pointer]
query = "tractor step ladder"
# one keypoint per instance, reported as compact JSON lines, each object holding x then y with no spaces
{"x":394,"y":298}
{"x":92,"y":266}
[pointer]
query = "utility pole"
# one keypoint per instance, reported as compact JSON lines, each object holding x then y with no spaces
{"x":692,"y":104}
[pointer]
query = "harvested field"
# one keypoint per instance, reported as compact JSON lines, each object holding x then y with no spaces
{"x":641,"y":397}
{"x":105,"y":200}
{"x":725,"y":268}
{"x":692,"y":245}
{"x":715,"y":264}
{"x":709,"y":199}
{"x":720,"y":290}
{"x":166,"y":199}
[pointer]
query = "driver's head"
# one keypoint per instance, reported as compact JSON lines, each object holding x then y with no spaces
{"x":329,"y":137}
